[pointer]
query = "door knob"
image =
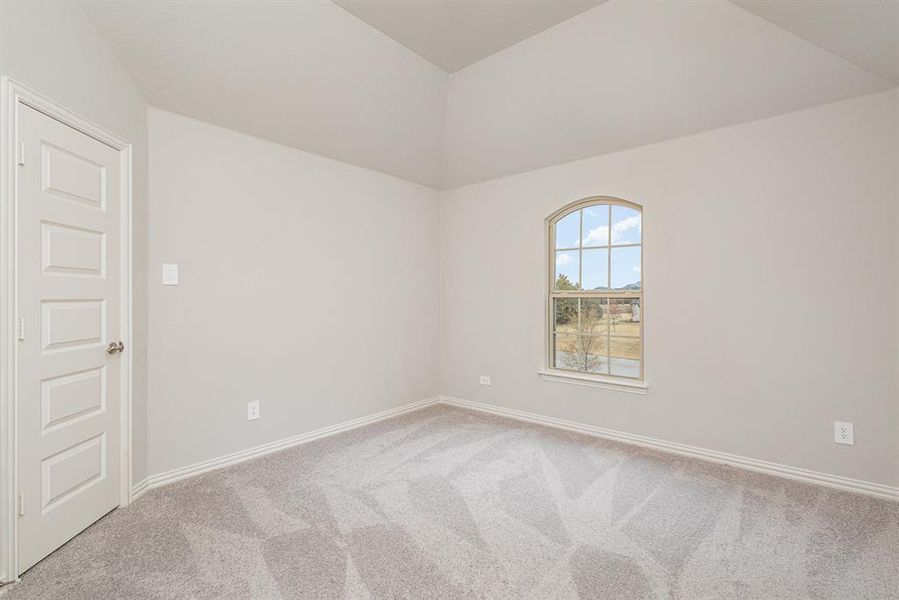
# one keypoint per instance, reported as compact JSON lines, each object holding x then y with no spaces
{"x":114,"y":347}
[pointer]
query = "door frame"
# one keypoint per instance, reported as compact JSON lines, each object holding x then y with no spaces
{"x":13,"y":95}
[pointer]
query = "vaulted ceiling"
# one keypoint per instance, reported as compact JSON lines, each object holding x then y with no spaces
{"x":453,"y":35}
{"x":304,"y":74}
{"x":864,"y":33}
{"x":533,"y":83}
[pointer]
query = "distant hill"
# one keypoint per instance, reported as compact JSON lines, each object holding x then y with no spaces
{"x":636,"y":286}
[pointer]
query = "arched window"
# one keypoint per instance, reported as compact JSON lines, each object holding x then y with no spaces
{"x":595,"y":320}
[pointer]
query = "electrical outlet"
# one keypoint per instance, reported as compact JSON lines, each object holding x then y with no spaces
{"x":485,"y":379}
{"x":252,"y":410}
{"x":842,"y":433}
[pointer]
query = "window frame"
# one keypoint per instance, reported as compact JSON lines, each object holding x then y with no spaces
{"x":551,"y":371}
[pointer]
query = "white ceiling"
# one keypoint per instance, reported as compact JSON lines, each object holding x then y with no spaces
{"x":625,"y":74}
{"x":309,"y":74}
{"x":453,"y":35}
{"x":304,"y":74}
{"x":865,"y":33}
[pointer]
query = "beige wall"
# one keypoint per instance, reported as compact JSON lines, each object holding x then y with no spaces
{"x":306,"y":283}
{"x":78,"y":71}
{"x":770,"y":281}
{"x":313,"y":285}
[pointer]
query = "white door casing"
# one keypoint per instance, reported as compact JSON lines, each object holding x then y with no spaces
{"x":70,"y":262}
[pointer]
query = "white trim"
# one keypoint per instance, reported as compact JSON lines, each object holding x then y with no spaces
{"x":12,"y":94}
{"x":139,"y":489}
{"x":750,"y":464}
{"x":126,"y":327}
{"x":240,"y":456}
{"x":598,"y":381}
{"x":8,"y":546}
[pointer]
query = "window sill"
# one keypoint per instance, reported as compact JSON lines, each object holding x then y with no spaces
{"x":597,"y":381}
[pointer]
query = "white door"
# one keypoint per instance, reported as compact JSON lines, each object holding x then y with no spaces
{"x":68,"y":300}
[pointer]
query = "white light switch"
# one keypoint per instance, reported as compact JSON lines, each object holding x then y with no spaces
{"x":169,"y":274}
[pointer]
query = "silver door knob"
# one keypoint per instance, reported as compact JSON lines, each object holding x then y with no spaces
{"x":115,"y":347}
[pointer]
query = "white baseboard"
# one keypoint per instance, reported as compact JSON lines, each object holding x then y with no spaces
{"x":760,"y":466}
{"x":139,"y":489}
{"x":154,"y":481}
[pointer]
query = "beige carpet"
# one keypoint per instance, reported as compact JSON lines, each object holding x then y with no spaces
{"x":447,"y":503}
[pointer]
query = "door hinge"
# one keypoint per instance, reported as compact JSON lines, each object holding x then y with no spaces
{"x":20,"y":504}
{"x":20,"y":153}
{"x":20,"y":329}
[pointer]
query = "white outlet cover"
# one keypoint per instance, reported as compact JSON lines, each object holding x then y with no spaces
{"x":843,"y":433}
{"x":253,"y":410}
{"x":485,"y":380}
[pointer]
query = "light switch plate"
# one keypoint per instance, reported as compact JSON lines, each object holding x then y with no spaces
{"x":485,"y":379}
{"x":169,"y":274}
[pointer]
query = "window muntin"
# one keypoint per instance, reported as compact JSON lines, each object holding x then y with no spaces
{"x":596,"y":289}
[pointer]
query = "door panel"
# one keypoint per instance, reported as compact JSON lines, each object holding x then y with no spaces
{"x":71,"y":470}
{"x":72,"y":251}
{"x":68,"y":402}
{"x":71,"y":176}
{"x":72,"y":396}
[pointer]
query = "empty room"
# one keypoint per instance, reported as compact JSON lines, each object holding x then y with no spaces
{"x":449,"y":299}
